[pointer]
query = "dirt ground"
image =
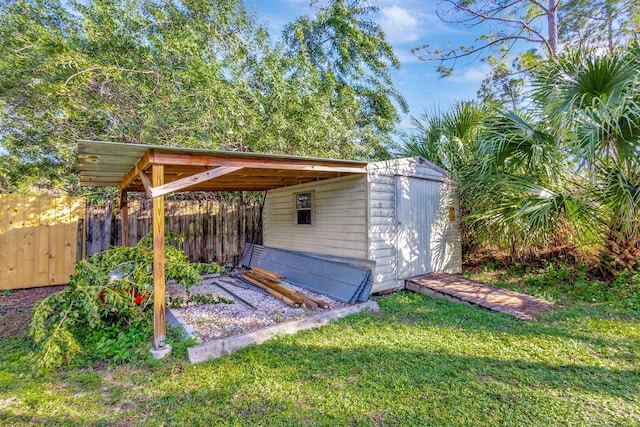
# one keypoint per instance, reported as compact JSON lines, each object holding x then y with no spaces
{"x":16,"y":306}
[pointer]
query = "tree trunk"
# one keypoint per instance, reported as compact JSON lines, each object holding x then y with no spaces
{"x":552,"y":22}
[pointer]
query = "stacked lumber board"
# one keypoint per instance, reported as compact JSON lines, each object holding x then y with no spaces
{"x":273,"y":284}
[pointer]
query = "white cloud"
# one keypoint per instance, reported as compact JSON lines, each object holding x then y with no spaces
{"x":399,"y":25}
{"x":405,"y":56}
{"x":471,"y":75}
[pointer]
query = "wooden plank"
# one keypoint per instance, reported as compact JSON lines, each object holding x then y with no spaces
{"x":26,"y":239}
{"x":55,"y":255}
{"x":190,"y":181}
{"x":4,"y":244}
{"x":141,"y":165}
{"x":268,"y":274}
{"x":170,"y":158}
{"x":159,"y":322}
{"x":124,"y":208}
{"x":41,"y":245}
{"x":12,"y":225}
{"x":70,"y":242}
{"x":272,"y":291}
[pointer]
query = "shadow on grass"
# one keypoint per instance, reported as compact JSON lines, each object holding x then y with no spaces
{"x":283,"y":382}
{"x":420,"y":361}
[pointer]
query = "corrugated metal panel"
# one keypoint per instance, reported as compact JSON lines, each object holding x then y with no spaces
{"x":249,"y":253}
{"x":346,"y":280}
{"x":107,"y":164}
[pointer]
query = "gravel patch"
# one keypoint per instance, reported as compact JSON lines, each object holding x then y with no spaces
{"x":214,"y":321}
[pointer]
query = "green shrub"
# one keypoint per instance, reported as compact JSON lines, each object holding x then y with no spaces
{"x":211,"y":268}
{"x":107,"y":304}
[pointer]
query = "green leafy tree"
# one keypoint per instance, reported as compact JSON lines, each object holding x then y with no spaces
{"x":564,"y":173}
{"x":191,"y":73}
{"x":350,"y":58}
{"x":598,"y":23}
{"x":540,"y":26}
{"x":529,"y":21}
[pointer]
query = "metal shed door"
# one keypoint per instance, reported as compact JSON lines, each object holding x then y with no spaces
{"x":417,"y":203}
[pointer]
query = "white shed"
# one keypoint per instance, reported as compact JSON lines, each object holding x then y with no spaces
{"x":404,"y":214}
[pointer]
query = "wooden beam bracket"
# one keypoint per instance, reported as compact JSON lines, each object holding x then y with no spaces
{"x":189,"y":181}
{"x":141,"y":165}
{"x":148,"y":188}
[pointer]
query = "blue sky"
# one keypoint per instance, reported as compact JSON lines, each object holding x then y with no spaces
{"x":407,"y":24}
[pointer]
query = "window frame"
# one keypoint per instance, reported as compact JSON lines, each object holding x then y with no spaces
{"x":311,"y":209}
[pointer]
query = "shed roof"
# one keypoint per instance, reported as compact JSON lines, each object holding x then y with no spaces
{"x":127,"y":166}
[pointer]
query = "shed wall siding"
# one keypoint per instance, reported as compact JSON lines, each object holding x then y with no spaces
{"x":382,"y":228}
{"x":357,"y":217}
{"x":444,"y":251}
{"x":339,"y":218}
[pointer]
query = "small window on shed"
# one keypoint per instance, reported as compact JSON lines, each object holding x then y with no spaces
{"x":304,"y":208}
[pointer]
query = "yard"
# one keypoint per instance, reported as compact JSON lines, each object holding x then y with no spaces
{"x":420,"y":361}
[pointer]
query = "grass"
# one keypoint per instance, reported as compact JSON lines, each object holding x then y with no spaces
{"x":419,"y":361}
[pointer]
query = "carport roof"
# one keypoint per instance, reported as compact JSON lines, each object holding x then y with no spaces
{"x":128,"y":166}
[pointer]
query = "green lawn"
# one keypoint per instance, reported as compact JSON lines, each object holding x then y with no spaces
{"x":419,"y":361}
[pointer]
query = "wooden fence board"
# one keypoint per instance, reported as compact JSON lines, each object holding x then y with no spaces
{"x":41,"y":249}
{"x":26,"y":239}
{"x":11,"y":241}
{"x":5,"y":253}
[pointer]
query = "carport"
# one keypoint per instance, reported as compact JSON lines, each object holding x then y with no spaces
{"x":158,"y":171}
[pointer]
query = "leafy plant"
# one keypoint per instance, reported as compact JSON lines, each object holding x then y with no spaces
{"x":106,"y":305}
{"x":211,"y":268}
{"x":114,"y":343}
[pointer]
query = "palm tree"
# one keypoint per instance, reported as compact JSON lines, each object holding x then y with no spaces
{"x":448,"y":138}
{"x":597,"y":98}
{"x":568,"y":166}
{"x":524,"y":184}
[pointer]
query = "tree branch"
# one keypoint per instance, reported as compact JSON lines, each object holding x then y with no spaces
{"x":88,"y":70}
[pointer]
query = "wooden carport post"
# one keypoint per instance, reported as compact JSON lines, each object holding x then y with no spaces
{"x":160,"y":348}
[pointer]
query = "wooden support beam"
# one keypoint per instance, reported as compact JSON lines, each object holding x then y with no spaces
{"x":141,"y":165}
{"x":189,"y":181}
{"x":190,"y":159}
{"x":147,"y":184}
{"x":124,"y":208}
{"x":159,"y":326}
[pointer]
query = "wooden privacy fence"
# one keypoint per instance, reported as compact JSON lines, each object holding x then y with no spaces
{"x":42,"y":237}
{"x":213,"y":230}
{"x":39,"y":240}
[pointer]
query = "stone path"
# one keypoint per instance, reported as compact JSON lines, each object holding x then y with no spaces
{"x":459,"y":289}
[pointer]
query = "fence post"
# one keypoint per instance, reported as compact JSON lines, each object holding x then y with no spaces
{"x":124,"y":208}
